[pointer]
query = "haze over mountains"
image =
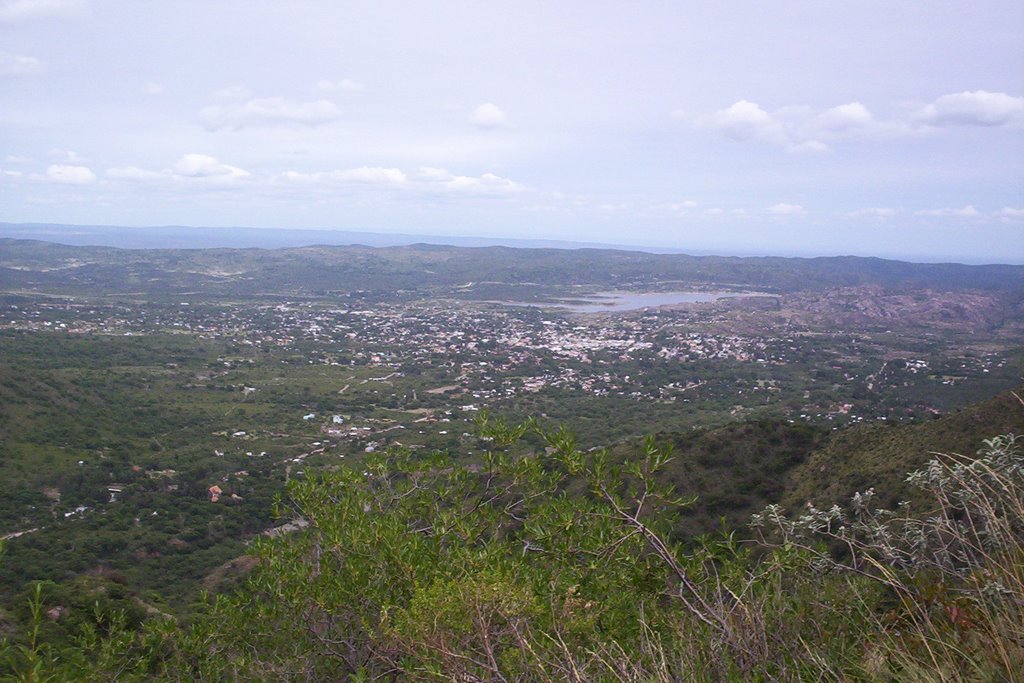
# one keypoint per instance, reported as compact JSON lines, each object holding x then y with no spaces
{"x":192,"y":237}
{"x":197,"y":237}
{"x":482,"y":273}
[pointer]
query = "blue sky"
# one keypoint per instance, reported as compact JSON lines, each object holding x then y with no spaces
{"x":878,"y":128}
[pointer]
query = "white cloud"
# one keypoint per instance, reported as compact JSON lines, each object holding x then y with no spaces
{"x":204,"y":166}
{"x":202,"y":170}
{"x":370,"y":175}
{"x":16,"y":11}
{"x":433,"y":178}
{"x":17,"y":159}
{"x":71,"y":175}
{"x":966,"y":212}
{"x":195,"y":169}
{"x":153,"y":89}
{"x":801,"y":129}
{"x":1010,"y":212}
{"x":977,"y":108}
{"x":747,"y":120}
{"x":783,"y":209}
{"x":845,"y":117}
{"x":19,"y":65}
{"x":365,"y":174}
{"x":269,"y":111}
{"x":488,"y":183}
{"x":344,"y":85}
{"x":714,"y":211}
{"x":875,"y":211}
{"x":10,"y":174}
{"x":488,"y":116}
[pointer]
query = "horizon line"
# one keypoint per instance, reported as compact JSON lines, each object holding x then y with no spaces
{"x":397,"y":239}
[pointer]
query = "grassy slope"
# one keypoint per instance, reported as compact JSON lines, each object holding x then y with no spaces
{"x":880,"y":455}
{"x":737,"y":469}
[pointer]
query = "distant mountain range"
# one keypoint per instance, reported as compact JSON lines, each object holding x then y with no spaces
{"x":190,"y":237}
{"x":204,"y":237}
{"x":480,"y":273}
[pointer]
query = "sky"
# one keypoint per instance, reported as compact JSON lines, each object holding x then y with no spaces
{"x":888,"y":128}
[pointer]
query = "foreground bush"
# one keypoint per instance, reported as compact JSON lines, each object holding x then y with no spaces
{"x":951,"y":580}
{"x":562,"y":565}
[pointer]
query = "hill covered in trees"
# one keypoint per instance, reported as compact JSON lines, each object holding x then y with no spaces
{"x":550,"y":562}
{"x":481,"y":272}
{"x":363,"y":458}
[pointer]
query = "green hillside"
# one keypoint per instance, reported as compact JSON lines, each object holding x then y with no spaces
{"x":565,"y":564}
{"x":878,"y":456}
{"x":731,"y":471}
{"x":27,"y":265}
{"x":735,"y":470}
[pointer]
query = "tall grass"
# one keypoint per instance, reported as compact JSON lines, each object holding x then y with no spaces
{"x":938,"y":594}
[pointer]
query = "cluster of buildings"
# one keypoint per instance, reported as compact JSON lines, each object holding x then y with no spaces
{"x":432,"y":354}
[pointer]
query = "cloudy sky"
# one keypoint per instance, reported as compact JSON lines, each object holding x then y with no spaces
{"x":891,"y":128}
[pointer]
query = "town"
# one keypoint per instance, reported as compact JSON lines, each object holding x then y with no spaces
{"x":402,"y":373}
{"x":152,"y":427}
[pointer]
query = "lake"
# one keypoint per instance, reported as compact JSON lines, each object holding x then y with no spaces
{"x":618,"y":300}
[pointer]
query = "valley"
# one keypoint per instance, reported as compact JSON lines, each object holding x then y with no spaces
{"x":146,"y":433}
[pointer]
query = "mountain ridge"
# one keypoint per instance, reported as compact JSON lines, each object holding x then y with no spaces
{"x":47,"y":266}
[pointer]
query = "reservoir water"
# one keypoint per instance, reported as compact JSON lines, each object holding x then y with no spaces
{"x":619,"y":300}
